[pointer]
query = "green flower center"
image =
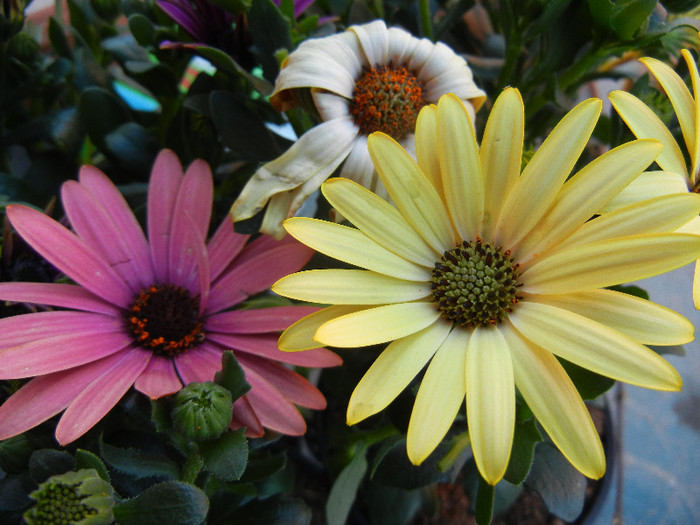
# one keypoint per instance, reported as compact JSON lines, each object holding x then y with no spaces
{"x":387,"y":99}
{"x":60,"y":504}
{"x":165,"y":320}
{"x":475,"y":284}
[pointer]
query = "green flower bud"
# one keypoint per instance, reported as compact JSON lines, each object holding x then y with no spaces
{"x":73,"y":498}
{"x":202,"y":411}
{"x":24,"y":48}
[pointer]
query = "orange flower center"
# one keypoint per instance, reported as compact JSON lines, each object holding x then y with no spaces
{"x":164,"y":319}
{"x":387,"y":99}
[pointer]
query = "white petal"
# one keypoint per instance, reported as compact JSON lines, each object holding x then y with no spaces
{"x":374,"y":42}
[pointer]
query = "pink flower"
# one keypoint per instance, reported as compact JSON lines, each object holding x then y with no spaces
{"x":155,"y":314}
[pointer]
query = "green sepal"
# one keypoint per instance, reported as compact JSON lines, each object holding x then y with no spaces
{"x":226,"y":457}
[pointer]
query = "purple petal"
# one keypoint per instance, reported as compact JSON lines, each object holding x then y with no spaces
{"x":54,"y":294}
{"x":244,"y":416}
{"x":224,"y":246}
{"x":166,"y":177}
{"x":301,"y":5}
{"x":199,"y":364}
{"x":266,"y":346}
{"x":67,"y":252}
{"x":159,"y":379}
{"x":25,"y":328}
{"x":113,"y":201}
{"x":263,"y":320}
{"x":274,"y":410}
{"x":185,"y":16}
{"x":256,"y":269}
{"x":60,"y":352}
{"x":293,"y":386}
{"x":44,"y":397}
{"x":95,"y":226}
{"x":193,"y":203}
{"x":100,"y":396}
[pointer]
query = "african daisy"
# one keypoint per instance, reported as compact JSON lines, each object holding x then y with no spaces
{"x":155,"y":314}
{"x":368,"y":78}
{"x":488,"y":275}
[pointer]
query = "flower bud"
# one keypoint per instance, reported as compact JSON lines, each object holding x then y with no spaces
{"x":202,"y":411}
{"x":73,"y":498}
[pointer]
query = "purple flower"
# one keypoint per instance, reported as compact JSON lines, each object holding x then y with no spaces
{"x":154,"y":313}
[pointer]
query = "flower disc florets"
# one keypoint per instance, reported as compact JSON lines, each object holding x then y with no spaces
{"x":387,"y":99}
{"x":164,"y":319}
{"x":475,"y":284}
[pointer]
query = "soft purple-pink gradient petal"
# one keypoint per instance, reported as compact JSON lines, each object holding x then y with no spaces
{"x":70,"y":254}
{"x":56,"y":294}
{"x":86,"y":357}
{"x":100,"y":396}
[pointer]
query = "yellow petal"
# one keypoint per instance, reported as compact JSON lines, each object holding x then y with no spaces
{"x":443,"y":386}
{"x":379,"y":220}
{"x":490,"y":402}
{"x":644,"y":321}
{"x":377,"y":325}
{"x":393,"y":370}
{"x":426,"y":146}
{"x":501,"y":153}
{"x":594,"y":346}
{"x":414,"y":195}
{"x":557,"y":405}
{"x":299,"y":336}
{"x":648,"y":185}
{"x":694,"y":147}
{"x":543,"y":176}
{"x":459,"y":165}
{"x":696,"y":286}
{"x":353,"y":247}
{"x":588,"y":191}
{"x":609,"y":262}
{"x":678,"y":94}
{"x":662,"y":214}
{"x":646,"y":125}
{"x":338,"y":286}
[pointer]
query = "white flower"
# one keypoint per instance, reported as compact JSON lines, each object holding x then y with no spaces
{"x":368,"y":78}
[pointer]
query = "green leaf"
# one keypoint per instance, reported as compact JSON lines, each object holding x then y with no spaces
{"x":231,"y":376}
{"x":274,"y":511}
{"x":45,"y":463}
{"x":86,"y":460}
{"x":167,"y":503}
{"x":59,"y":42}
{"x":552,"y":11}
{"x":15,"y":453}
{"x":395,"y":469}
{"x":526,"y":436}
{"x":142,"y":29}
{"x":132,"y":146}
{"x":232,"y":6}
{"x":242,"y":129}
{"x":559,"y":484}
{"x":80,"y":22}
{"x":628,"y":19}
{"x":138,"y":463}
{"x":101,"y":112}
{"x":344,"y":489}
{"x":226,"y":457}
{"x":393,"y":506}
{"x":272,"y":31}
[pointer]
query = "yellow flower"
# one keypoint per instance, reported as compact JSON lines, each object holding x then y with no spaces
{"x":485,"y":274}
{"x":677,"y":176}
{"x":368,"y":78}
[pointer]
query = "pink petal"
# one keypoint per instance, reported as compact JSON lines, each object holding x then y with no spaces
{"x":293,"y":386}
{"x":55,"y":294}
{"x":166,"y":177}
{"x":199,"y":364}
{"x":256,"y":271}
{"x":159,"y":379}
{"x":67,"y":252}
{"x":100,"y":396}
{"x":266,"y":346}
{"x":244,"y":416}
{"x":224,"y":246}
{"x":274,"y":410}
{"x":95,"y":226}
{"x":44,"y":397}
{"x":194,"y":199}
{"x":60,"y":352}
{"x":263,"y":320}
{"x":25,"y":328}
{"x":113,"y":201}
{"x":192,"y":269}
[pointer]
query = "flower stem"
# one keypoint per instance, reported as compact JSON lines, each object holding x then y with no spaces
{"x":425,"y":19}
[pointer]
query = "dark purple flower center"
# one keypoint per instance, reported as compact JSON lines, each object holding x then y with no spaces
{"x":164,"y":319}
